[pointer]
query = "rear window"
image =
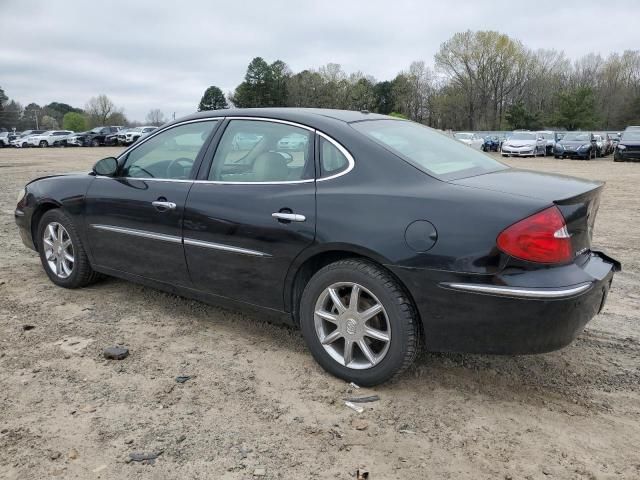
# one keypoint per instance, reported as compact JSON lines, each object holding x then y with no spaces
{"x":427,"y":149}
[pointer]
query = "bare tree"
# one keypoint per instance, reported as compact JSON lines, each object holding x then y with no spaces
{"x":99,"y":109}
{"x":155,"y":117}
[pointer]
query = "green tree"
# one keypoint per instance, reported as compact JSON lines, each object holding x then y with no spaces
{"x":254,"y":91}
{"x":74,"y":121}
{"x":213,"y":99}
{"x":518,"y":117}
{"x":576,"y":109}
{"x":383,"y":93}
{"x":31,"y":117}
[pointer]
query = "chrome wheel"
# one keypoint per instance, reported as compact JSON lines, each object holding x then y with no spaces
{"x":58,"y":249}
{"x":352,"y":325}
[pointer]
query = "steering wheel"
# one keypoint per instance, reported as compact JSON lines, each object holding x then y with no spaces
{"x":177,"y":167}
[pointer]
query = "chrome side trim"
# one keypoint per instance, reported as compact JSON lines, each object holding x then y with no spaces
{"x":284,"y":182}
{"x":273,"y":120}
{"x":549,"y":293}
{"x":138,"y":233}
{"x":225,"y":248}
{"x":344,"y":151}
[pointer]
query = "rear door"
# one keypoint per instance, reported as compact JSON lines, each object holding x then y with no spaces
{"x":134,"y":220}
{"x":253,"y":212}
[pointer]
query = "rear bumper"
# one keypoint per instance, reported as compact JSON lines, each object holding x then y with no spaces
{"x":487,"y":315}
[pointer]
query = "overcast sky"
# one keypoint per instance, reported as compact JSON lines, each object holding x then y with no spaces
{"x":161,"y":54}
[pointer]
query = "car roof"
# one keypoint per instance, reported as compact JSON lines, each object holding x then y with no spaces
{"x":310,"y":116}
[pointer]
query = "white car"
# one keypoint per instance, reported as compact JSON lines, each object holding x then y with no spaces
{"x":22,"y":140}
{"x":48,"y":138}
{"x":471,"y":139}
{"x":550,"y":138}
{"x":524,"y":144}
{"x":134,"y":134}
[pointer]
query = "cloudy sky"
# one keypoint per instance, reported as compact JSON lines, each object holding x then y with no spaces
{"x":163,"y":54}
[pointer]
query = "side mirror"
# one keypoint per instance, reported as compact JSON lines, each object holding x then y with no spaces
{"x":106,"y":167}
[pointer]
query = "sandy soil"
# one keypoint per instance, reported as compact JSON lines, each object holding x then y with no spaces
{"x":256,"y":401}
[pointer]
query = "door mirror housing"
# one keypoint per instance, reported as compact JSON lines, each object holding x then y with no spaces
{"x":106,"y":167}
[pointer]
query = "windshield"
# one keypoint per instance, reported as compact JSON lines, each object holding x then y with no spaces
{"x":577,"y":137}
{"x":430,"y":151}
{"x":522,"y":136}
{"x":630,"y":135}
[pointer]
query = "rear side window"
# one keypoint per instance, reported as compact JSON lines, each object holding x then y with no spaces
{"x":428,"y":150}
{"x":333,"y":161}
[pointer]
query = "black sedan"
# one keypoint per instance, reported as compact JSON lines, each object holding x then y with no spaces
{"x":374,"y":235}
{"x":580,"y":145}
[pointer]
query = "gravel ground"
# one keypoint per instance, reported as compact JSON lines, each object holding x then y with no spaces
{"x":257,"y":405}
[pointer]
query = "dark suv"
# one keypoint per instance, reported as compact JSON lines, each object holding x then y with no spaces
{"x":98,"y":136}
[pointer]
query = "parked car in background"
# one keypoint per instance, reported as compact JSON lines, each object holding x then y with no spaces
{"x":132,"y":135}
{"x":629,"y":146}
{"x":48,"y":138}
{"x":603,"y":144}
{"x":491,"y":144}
{"x":387,"y":238}
{"x":615,"y":139}
{"x":550,"y":139}
{"x":524,"y":144}
{"x":96,"y":137}
{"x":293,"y":142}
{"x":471,"y":139}
{"x":580,"y":145}
{"x":22,"y":140}
{"x":6,"y":138}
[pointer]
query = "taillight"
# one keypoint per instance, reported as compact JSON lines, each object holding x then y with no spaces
{"x":542,"y":237}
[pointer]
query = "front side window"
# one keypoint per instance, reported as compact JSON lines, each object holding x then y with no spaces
{"x":263,"y":151}
{"x":170,"y":154}
{"x":430,"y":151}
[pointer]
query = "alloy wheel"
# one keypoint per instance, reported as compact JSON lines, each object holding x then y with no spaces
{"x":352,"y":325}
{"x":58,"y":249}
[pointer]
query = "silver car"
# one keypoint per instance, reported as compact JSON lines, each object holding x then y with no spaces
{"x":524,"y":144}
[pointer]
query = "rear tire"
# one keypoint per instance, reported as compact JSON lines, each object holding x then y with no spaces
{"x":43,"y":144}
{"x":74,"y":269}
{"x":395,"y":326}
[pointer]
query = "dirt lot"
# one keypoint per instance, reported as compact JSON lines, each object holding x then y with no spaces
{"x":257,"y":403}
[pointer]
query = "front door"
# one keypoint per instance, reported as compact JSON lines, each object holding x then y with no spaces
{"x":134,"y":220}
{"x":246,"y":223}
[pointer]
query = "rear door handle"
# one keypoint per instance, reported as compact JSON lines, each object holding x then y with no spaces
{"x":291,"y":217}
{"x":160,"y":205}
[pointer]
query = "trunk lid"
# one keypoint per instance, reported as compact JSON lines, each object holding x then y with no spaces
{"x":577,"y":199}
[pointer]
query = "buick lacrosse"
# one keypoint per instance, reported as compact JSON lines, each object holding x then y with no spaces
{"x":374,"y":235}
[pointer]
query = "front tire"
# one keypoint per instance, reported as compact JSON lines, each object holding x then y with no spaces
{"x":358,"y":322}
{"x":62,"y":254}
{"x":95,"y":142}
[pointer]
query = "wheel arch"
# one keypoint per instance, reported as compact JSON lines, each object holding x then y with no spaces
{"x":304,"y":268}
{"x":42,"y":208}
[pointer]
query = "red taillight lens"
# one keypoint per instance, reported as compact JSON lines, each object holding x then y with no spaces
{"x":542,"y":237}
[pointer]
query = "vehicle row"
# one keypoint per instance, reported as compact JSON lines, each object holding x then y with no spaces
{"x":99,"y":136}
{"x":576,"y":145}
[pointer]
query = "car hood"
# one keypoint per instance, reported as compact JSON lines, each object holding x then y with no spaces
{"x":519,"y":143}
{"x":64,"y":174}
{"x":573,"y":143}
{"x":543,"y":186}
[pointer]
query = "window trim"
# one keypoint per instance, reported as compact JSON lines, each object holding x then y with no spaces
{"x":222,"y":120}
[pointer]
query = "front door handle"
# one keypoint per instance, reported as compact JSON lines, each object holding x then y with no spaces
{"x":160,"y":205}
{"x":290,"y":217}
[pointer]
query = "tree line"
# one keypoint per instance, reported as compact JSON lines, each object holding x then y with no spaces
{"x":98,"y":111}
{"x":481,"y":80}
